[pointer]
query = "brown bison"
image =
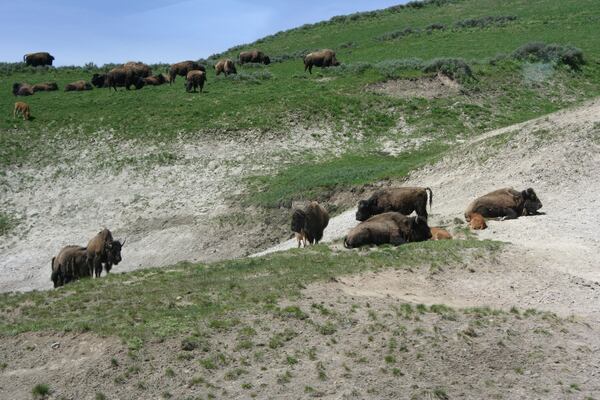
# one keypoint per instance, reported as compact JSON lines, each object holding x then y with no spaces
{"x":254,"y":56}
{"x":225,"y":66}
{"x":99,"y":80}
{"x":323,"y":58}
{"x":22,"y":109}
{"x":310,"y":222}
{"x":477,"y":222}
{"x":70,"y":264}
{"x":156,"y":80}
{"x":404,"y":200}
{"x":22,"y":89}
{"x":103,"y":249}
{"x":44,"y":87}
{"x":390,"y":227}
{"x":78,"y":86}
{"x":139,"y":69}
{"x":123,"y":77}
{"x":195,"y":79}
{"x":440,"y":234}
{"x":182,"y":68}
{"x":38,"y":59}
{"x":505,"y":203}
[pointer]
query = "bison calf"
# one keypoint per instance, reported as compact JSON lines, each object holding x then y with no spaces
{"x":404,"y":200}
{"x":505,"y":203}
{"x":440,"y":234}
{"x":310,"y":223}
{"x":22,"y":109}
{"x":195,"y":79}
{"x":390,"y":227}
{"x":477,"y":222}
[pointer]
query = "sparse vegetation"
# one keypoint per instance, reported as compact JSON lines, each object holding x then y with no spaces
{"x":40,"y":390}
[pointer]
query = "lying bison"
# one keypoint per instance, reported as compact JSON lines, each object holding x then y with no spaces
{"x":440,"y":234}
{"x":183,"y":68}
{"x":195,"y":79}
{"x":390,"y":227}
{"x":38,"y":59}
{"x":323,"y":58}
{"x":225,"y":66}
{"x":103,"y":249}
{"x":78,"y":86}
{"x":254,"y":56}
{"x":44,"y":87}
{"x":404,"y":200}
{"x":22,"y":89}
{"x":310,"y":223}
{"x":477,"y":222}
{"x":505,"y":203}
{"x":69,"y":265}
{"x":154,"y":80}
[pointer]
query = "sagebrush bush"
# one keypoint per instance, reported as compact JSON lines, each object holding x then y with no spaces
{"x":485,"y":21}
{"x":397,"y":34}
{"x":253,"y":77}
{"x":435,"y":27}
{"x":349,"y":68}
{"x":538,"y":51}
{"x":455,"y":68}
{"x":392,"y":68}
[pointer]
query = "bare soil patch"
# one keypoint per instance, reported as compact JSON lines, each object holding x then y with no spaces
{"x":431,"y":87}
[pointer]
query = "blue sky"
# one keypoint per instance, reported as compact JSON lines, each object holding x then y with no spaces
{"x":79,"y":31}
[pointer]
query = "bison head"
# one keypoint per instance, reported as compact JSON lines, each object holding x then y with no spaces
{"x":419,"y":230}
{"x":98,"y":80}
{"x":365,"y":210}
{"x":298,"y":220}
{"x":15,"y":88}
{"x":114,"y":252}
{"x":532,"y":202}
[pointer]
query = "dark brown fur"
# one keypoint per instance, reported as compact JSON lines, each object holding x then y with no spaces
{"x":505,"y":203}
{"x":182,"y":68}
{"x":310,"y":222}
{"x":225,"y":66}
{"x":38,"y":59}
{"x":390,"y":227}
{"x":123,"y":77}
{"x":102,"y":248}
{"x":70,"y":264}
{"x":323,"y":58}
{"x":78,"y":86}
{"x":195,"y":79}
{"x":404,"y":200}
{"x":23,"y":110}
{"x":139,"y":69}
{"x":254,"y":56}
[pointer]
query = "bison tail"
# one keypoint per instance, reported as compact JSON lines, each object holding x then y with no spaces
{"x":430,"y":196}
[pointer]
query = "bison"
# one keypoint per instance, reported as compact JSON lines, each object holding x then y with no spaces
{"x":310,"y":223}
{"x":123,"y":77}
{"x":477,"y":222}
{"x":78,"y":86}
{"x":323,"y":58}
{"x":22,"y":109}
{"x":22,"y":89}
{"x":139,"y":69}
{"x":154,"y":80}
{"x":404,"y":200}
{"x":183,"y":68}
{"x":99,"y":80}
{"x":254,"y":56}
{"x":44,"y":87}
{"x":505,"y":203}
{"x":38,"y":59}
{"x":103,"y":249}
{"x":195,"y":79}
{"x":70,"y":264}
{"x":390,"y":227}
{"x":440,"y":234}
{"x":225,"y":66}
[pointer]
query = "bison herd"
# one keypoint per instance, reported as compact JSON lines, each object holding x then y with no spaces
{"x":385,"y":216}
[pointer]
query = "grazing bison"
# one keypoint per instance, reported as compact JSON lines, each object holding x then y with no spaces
{"x":404,"y":200}
{"x":123,"y":77}
{"x":44,"y":87}
{"x":225,"y":66}
{"x":254,"y":56}
{"x":505,"y":203}
{"x":195,"y":79}
{"x":78,"y":86}
{"x":22,"y":109}
{"x":390,"y":227}
{"x":22,"y":89}
{"x":38,"y":59}
{"x":99,"y":80}
{"x":103,"y":249}
{"x":70,"y":264}
{"x":156,"y":80}
{"x":440,"y":234}
{"x":323,"y":58}
{"x":183,"y":68}
{"x":310,"y":222}
{"x":139,"y":69}
{"x":477,"y":222}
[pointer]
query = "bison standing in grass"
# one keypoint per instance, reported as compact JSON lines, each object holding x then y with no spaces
{"x":139,"y":69}
{"x":22,"y":109}
{"x":103,"y":249}
{"x":183,"y":68}
{"x":225,"y":66}
{"x":38,"y":59}
{"x":309,"y":224}
{"x":323,"y":58}
{"x":404,"y":200}
{"x":78,"y":86}
{"x":505,"y":203}
{"x":69,"y":265}
{"x":123,"y":77}
{"x":194,"y":80}
{"x":388,"y":228}
{"x":254,"y":56}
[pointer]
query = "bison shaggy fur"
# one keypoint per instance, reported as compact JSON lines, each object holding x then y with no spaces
{"x":154,"y":80}
{"x":22,"y":109}
{"x":38,"y":59}
{"x":194,"y":80}
{"x":225,"y":66}
{"x":254,"y":56}
{"x":45,"y":87}
{"x":99,"y":80}
{"x":323,"y":58}
{"x":310,"y":222}
{"x":22,"y":89}
{"x":505,"y":203}
{"x":123,"y":77}
{"x":390,"y":227}
{"x":78,"y":86}
{"x":103,"y":249}
{"x":404,"y":200}
{"x":70,"y":264}
{"x":182,"y":68}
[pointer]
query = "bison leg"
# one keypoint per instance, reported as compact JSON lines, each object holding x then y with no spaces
{"x":509,"y":213}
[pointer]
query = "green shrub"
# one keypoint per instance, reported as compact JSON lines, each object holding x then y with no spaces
{"x":455,"y":68}
{"x":40,"y":390}
{"x":398,"y":34}
{"x":391,"y":68}
{"x":541,"y":52}
{"x":485,"y":21}
{"x":435,"y":27}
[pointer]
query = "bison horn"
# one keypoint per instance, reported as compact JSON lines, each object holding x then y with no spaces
{"x":123,"y":244}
